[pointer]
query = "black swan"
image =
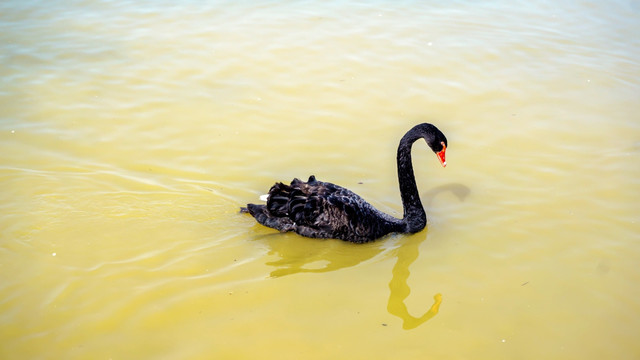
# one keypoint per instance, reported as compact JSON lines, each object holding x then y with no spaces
{"x":323,"y":210}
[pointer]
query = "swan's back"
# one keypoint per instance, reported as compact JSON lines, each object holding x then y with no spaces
{"x":323,"y":210}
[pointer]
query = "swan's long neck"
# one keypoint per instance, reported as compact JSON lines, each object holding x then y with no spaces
{"x":414,"y":218}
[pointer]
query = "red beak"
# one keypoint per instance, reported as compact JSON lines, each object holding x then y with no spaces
{"x":441,"y":157}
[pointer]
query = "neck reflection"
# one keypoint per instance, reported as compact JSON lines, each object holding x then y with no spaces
{"x":407,"y":254}
{"x":399,"y":288}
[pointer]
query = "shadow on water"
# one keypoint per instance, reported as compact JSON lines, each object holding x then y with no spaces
{"x":320,"y":256}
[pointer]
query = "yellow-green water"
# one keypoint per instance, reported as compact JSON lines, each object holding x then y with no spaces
{"x":131,"y":133}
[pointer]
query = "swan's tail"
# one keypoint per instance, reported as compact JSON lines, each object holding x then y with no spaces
{"x":244,"y":210}
{"x":262,"y":215}
{"x":257,"y":211}
{"x":286,"y":205}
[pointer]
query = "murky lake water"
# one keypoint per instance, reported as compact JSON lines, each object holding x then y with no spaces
{"x":131,"y":133}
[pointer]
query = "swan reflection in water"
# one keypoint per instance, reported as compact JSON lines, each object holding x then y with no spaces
{"x":319,"y":256}
{"x":399,"y":288}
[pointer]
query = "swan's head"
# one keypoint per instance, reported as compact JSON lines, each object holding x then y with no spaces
{"x":436,"y":141}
